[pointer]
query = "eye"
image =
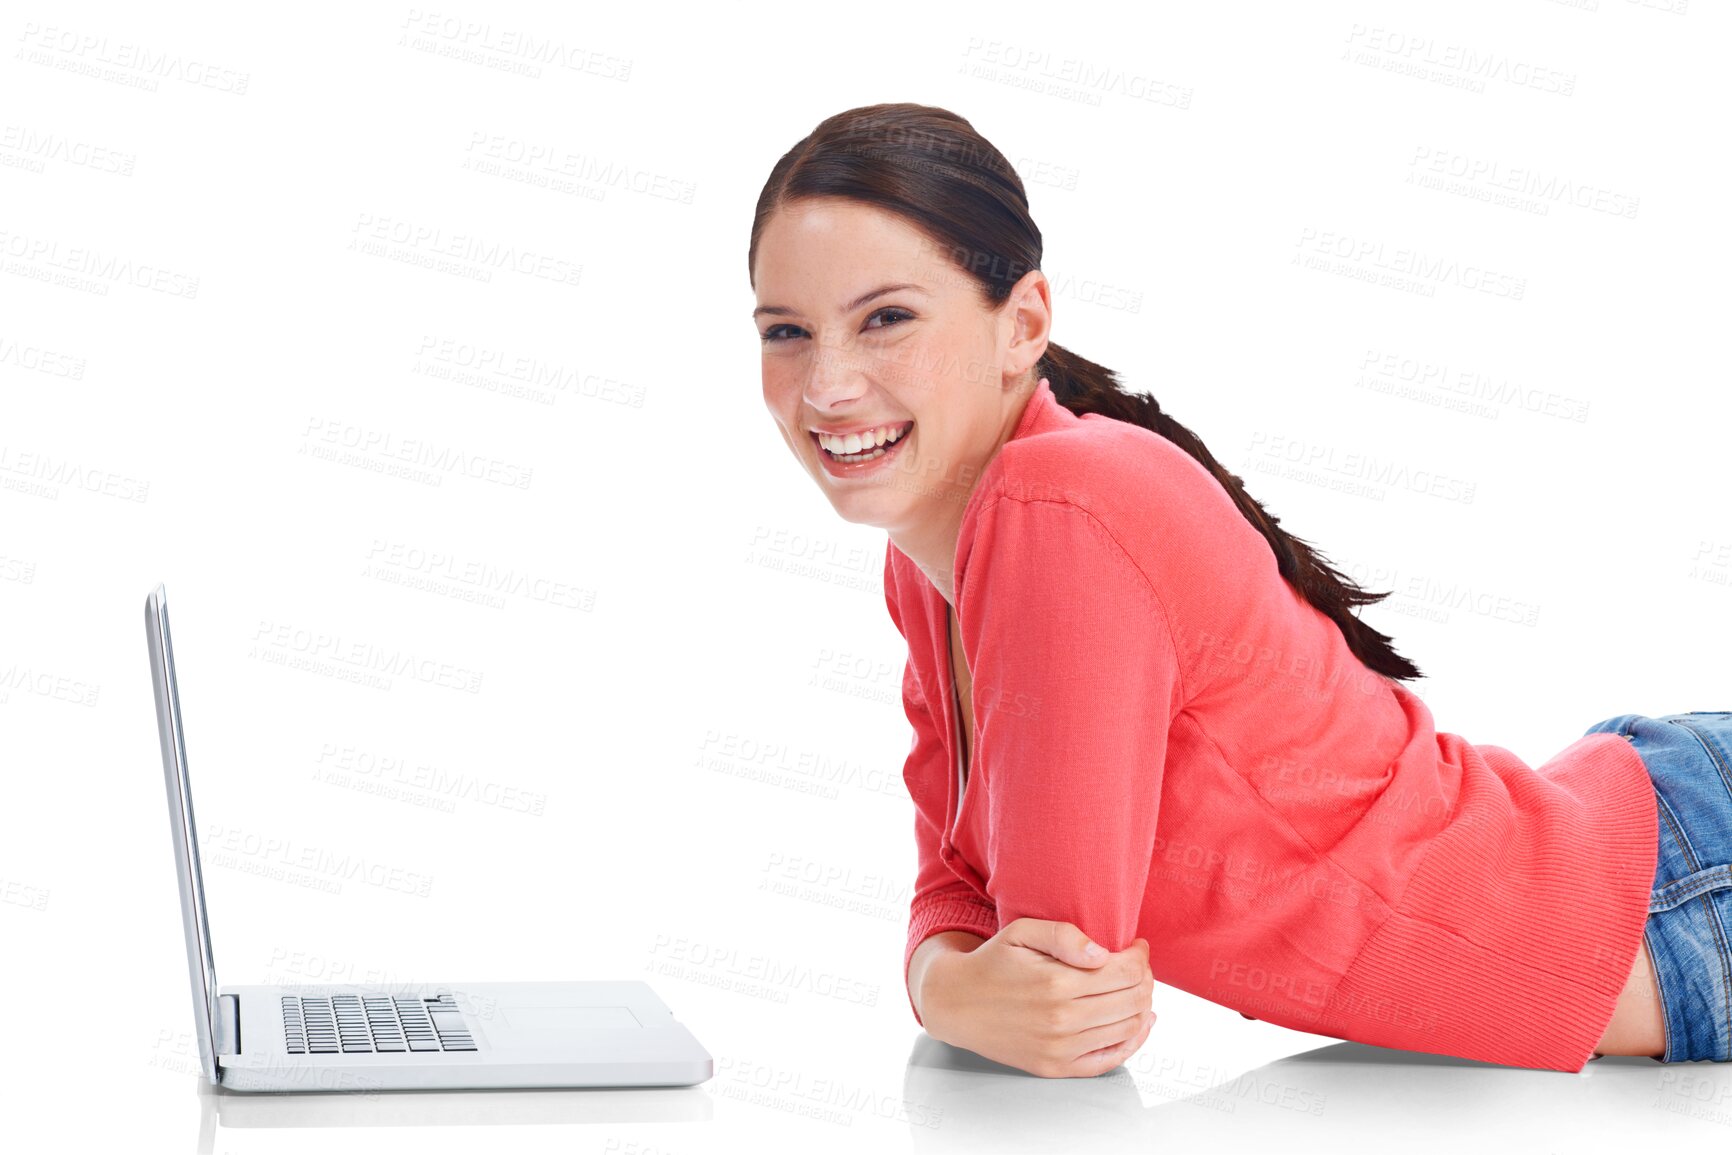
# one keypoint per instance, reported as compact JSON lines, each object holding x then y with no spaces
{"x":769,"y":336}
{"x":902,"y":313}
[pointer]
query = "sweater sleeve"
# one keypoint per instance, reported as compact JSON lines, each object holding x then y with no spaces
{"x":941,"y":901}
{"x":1076,"y":685}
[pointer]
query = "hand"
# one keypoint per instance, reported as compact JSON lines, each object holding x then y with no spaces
{"x":1031,"y":998}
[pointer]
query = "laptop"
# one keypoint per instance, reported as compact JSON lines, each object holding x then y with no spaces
{"x":410,"y":1036}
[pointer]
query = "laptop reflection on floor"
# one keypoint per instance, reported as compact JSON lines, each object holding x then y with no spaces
{"x":431,"y":1036}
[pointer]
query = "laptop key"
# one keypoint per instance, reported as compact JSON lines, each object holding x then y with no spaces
{"x":352,"y":1024}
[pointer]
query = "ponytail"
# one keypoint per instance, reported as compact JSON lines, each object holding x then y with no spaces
{"x":1082,"y":386}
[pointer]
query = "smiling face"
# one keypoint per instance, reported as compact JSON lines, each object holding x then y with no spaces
{"x":871,"y":332}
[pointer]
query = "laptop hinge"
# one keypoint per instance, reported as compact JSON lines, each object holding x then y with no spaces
{"x":228,"y":1033}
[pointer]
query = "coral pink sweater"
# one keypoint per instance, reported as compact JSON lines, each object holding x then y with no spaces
{"x":1171,"y":743}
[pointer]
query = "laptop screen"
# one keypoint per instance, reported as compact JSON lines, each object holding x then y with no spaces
{"x":200,"y":965}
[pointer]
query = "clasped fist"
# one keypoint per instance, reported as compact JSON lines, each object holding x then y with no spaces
{"x":1034,"y":998}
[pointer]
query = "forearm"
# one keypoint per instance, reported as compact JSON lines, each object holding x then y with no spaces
{"x":945,"y":942}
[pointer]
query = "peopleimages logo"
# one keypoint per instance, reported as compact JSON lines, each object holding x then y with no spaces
{"x":94,"y":55}
{"x":321,"y":869}
{"x":384,"y":446}
{"x":446,"y":251}
{"x":314,"y":649}
{"x":90,"y":269}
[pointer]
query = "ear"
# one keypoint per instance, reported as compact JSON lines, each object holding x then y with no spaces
{"x":1028,"y":316}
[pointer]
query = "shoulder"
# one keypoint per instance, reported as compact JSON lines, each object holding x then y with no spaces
{"x":1113,"y":505}
{"x":1142,"y":490}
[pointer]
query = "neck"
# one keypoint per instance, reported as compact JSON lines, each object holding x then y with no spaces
{"x":931,"y":543}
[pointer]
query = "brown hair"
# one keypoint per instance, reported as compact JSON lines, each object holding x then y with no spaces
{"x":930,"y":167}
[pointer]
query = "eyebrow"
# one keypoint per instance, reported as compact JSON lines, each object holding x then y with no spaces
{"x":784,"y":311}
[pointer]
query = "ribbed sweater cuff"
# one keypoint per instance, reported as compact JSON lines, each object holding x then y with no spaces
{"x":941,"y":913}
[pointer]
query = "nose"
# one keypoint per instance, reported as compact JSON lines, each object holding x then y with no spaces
{"x":835,"y":376}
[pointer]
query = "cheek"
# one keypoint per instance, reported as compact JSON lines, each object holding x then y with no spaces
{"x":780,"y":388}
{"x":942,"y":356}
{"x":781,"y":393}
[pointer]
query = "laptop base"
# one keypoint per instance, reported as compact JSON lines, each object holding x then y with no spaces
{"x":526,"y":1034}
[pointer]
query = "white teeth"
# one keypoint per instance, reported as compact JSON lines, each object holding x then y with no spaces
{"x":871,"y":439}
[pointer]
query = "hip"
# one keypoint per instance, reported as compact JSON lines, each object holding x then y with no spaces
{"x":1688,"y":931}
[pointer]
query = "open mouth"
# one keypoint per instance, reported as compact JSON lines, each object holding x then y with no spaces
{"x":864,"y":454}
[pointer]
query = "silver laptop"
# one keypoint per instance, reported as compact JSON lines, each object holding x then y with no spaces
{"x":409,"y":1037}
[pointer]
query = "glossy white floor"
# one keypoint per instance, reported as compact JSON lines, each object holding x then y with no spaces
{"x":833,"y":1076}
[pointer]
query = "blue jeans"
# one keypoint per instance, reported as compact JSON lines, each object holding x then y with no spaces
{"x":1689,"y":926}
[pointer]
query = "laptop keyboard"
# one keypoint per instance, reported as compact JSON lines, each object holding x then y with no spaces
{"x":333,"y":1024}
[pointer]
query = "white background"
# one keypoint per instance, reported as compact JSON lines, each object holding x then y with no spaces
{"x":681,"y":759}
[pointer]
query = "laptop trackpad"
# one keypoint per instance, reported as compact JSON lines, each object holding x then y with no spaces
{"x":558,"y":1018}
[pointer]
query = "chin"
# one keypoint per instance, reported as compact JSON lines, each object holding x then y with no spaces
{"x":858,"y":509}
